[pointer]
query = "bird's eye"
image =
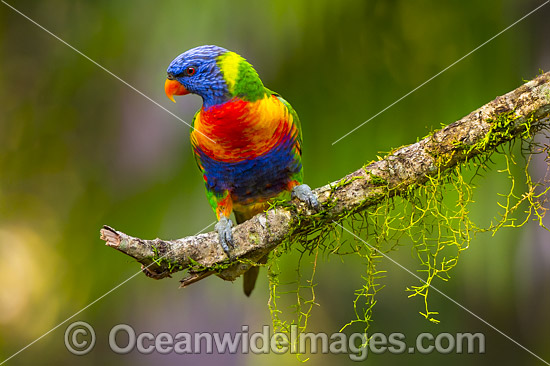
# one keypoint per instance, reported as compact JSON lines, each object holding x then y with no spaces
{"x":190,"y":71}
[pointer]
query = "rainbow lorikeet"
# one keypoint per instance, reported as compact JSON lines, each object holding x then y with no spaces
{"x":247,"y":140}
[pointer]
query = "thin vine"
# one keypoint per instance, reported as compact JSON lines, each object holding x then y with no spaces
{"x":434,"y":217}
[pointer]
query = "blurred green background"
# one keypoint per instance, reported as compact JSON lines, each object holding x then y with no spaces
{"x":79,"y":149}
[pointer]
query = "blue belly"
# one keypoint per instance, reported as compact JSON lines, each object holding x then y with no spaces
{"x":259,"y":178}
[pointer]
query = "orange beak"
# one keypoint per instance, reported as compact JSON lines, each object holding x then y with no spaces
{"x":174,"y":87}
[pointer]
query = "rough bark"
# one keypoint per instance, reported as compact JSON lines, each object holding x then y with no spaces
{"x":520,"y":113}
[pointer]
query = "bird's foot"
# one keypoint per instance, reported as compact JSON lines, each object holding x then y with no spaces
{"x":223,"y":227}
{"x":304,"y":193}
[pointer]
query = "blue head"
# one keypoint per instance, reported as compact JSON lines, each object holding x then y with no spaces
{"x":197,"y":71}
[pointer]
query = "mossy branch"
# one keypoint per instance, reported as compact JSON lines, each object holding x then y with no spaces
{"x":519,"y":114}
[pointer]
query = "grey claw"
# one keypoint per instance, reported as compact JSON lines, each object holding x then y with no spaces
{"x":223,"y":227}
{"x":304,"y":193}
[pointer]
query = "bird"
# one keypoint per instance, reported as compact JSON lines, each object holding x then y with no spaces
{"x":246,"y":139}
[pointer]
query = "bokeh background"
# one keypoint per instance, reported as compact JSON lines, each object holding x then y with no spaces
{"x":79,"y":149}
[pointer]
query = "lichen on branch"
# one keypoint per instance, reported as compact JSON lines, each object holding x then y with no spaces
{"x":519,"y":114}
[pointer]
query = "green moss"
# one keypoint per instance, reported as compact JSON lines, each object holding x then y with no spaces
{"x":377,"y":180}
{"x":163,"y":262}
{"x":503,"y":129}
{"x":434,"y":216}
{"x":254,"y":238}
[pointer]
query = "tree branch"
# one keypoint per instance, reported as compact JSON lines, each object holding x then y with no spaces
{"x":518,"y":114}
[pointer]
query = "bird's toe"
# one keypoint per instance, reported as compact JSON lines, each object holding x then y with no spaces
{"x":223,"y":227}
{"x":304,"y":193}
